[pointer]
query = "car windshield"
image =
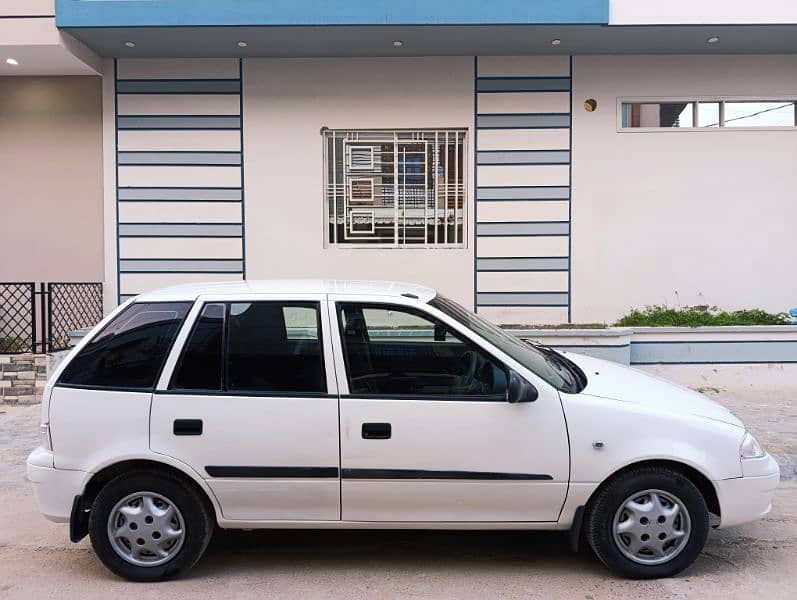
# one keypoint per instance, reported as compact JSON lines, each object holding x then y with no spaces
{"x":540,"y":360}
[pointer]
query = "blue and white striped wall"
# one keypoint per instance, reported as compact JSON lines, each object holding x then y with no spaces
{"x":523,"y":107}
{"x":179,"y":172}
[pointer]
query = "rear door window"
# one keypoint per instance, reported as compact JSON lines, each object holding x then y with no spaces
{"x":130,"y":350}
{"x":254,"y":347}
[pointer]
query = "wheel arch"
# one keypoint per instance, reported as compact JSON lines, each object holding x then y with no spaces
{"x":701,"y":481}
{"x":108,"y":472}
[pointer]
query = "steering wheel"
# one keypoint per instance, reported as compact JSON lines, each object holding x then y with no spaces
{"x":472,"y":361}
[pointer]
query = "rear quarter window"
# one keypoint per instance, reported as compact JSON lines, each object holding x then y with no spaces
{"x":130,"y":350}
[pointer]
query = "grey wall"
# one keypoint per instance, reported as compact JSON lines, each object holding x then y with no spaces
{"x":51,"y":211}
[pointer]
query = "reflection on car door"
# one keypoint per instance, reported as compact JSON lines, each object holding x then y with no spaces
{"x":252,"y":407}
{"x":426,"y":431}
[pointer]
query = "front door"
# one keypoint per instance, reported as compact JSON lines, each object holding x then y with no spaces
{"x":426,"y":431}
{"x":252,"y":407}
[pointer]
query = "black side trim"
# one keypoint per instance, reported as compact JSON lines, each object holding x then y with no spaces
{"x":427,"y":397}
{"x":425,"y":474}
{"x":78,"y":521}
{"x":574,"y":534}
{"x":265,"y":472}
{"x":243,"y":394}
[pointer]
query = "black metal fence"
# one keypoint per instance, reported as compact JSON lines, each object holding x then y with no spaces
{"x":38,"y":318}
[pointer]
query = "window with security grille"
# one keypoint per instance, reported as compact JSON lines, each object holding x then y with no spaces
{"x":395,"y":188}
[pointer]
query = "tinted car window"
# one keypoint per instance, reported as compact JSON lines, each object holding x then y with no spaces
{"x":274,"y":347}
{"x":200,"y":365}
{"x":394,"y":350}
{"x":130,"y":351}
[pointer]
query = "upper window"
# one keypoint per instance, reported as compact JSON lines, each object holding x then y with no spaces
{"x":254,"y":347}
{"x":712,"y":113}
{"x":130,"y":350}
{"x":395,"y":350}
{"x":395,"y":188}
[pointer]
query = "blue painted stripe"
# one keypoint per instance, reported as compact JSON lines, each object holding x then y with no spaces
{"x":714,"y":351}
{"x":523,"y":84}
{"x":523,"y":228}
{"x":523,"y":193}
{"x":179,"y":194}
{"x":178,"y":122}
{"x":536,"y":121}
{"x":179,"y":86}
{"x":523,"y":157}
{"x":180,"y":229}
{"x":172,"y":158}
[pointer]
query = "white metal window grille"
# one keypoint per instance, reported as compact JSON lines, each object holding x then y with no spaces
{"x":395,"y":188}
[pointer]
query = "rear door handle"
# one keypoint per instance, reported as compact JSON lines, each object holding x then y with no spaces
{"x":376,"y":431}
{"x":187,"y":427}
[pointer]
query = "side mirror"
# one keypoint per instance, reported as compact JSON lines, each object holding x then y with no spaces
{"x":520,"y":390}
{"x":439,"y":333}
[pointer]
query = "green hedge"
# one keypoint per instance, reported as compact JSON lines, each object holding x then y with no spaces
{"x":698,"y":316}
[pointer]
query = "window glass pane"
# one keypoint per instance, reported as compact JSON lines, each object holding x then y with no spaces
{"x":760,"y":114}
{"x":394,"y":350}
{"x":658,"y":114}
{"x":199,"y":367}
{"x":130,"y":351}
{"x":534,"y":359}
{"x":274,"y":347}
{"x":708,"y":114}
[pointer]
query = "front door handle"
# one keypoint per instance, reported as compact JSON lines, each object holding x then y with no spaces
{"x":376,"y":431}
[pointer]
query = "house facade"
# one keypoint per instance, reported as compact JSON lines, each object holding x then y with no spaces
{"x":541,"y":162}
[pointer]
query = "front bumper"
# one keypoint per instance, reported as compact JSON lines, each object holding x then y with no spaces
{"x":55,"y":488}
{"x":748,"y":498}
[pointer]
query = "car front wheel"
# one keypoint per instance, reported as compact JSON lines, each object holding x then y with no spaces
{"x":148,"y":527}
{"x":648,"y":522}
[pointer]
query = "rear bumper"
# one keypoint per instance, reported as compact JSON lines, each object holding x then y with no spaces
{"x":745,"y":499}
{"x":55,"y":488}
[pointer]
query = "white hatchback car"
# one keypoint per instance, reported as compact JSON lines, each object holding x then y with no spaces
{"x":321,"y":404}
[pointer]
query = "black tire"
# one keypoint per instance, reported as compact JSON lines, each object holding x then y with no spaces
{"x":601,"y":511}
{"x":198,"y":524}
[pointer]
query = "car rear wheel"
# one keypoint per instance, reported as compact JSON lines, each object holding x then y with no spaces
{"x":148,"y":527}
{"x":647,"y":522}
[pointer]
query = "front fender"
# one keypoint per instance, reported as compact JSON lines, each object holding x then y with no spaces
{"x":631,"y":433}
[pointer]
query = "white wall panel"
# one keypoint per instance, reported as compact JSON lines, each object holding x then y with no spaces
{"x":552,"y":281}
{"x":524,"y":66}
{"x":179,"y":212}
{"x":178,"y":104}
{"x":522,"y":246}
{"x":137,"y":283}
{"x":524,"y":139}
{"x":513,"y":175}
{"x":524,"y":102}
{"x":189,"y":140}
{"x":180,"y":248}
{"x":177,"y":68}
{"x":524,"y":315}
{"x":179,"y":176}
{"x":523,"y":211}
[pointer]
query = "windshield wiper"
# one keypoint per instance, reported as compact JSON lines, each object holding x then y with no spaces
{"x":560,"y":361}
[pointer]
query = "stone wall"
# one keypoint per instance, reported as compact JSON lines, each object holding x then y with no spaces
{"x":22,"y":378}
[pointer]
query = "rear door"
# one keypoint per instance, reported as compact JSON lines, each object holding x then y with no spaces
{"x":427,"y":434}
{"x":250,"y":403}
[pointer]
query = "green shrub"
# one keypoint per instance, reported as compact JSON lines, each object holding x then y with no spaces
{"x":698,"y":316}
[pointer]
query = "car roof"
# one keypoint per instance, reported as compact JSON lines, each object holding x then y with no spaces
{"x":192,"y":291}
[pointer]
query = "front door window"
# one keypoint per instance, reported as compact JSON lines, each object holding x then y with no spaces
{"x":396,"y":350}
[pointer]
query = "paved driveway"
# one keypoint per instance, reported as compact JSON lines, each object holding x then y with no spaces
{"x":754,"y":561}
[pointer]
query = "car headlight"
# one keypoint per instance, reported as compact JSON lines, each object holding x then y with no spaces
{"x":750,"y":448}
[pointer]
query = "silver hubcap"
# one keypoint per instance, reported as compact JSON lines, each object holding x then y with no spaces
{"x":651,"y":527}
{"x":146,"y":529}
